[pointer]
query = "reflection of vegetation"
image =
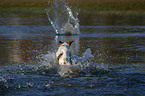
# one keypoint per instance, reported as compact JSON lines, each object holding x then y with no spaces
{"x":98,"y":5}
{"x":114,"y":5}
{"x":109,"y":18}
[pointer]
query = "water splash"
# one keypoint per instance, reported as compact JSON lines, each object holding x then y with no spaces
{"x":48,"y":65}
{"x":80,"y":65}
{"x":62,"y":18}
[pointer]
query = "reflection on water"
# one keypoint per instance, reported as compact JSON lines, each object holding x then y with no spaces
{"x":109,"y":47}
{"x":111,"y":19}
{"x":122,"y":42}
{"x":115,"y":41}
{"x":114,"y":50}
{"x":22,"y":17}
{"x":22,"y":49}
{"x":119,"y":43}
{"x":89,"y":19}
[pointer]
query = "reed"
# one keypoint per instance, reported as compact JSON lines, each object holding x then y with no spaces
{"x":98,"y":5}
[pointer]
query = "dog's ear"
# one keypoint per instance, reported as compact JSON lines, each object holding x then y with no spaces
{"x":60,"y":43}
{"x":69,"y":42}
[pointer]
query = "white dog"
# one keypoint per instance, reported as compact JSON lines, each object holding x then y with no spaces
{"x":63,"y":53}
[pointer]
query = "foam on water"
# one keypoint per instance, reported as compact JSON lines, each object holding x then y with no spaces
{"x":80,"y":65}
{"x":62,"y":18}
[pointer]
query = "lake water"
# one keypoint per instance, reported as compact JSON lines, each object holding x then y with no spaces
{"x":115,"y":42}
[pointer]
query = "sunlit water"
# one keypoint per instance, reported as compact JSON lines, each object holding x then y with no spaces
{"x":108,"y":56}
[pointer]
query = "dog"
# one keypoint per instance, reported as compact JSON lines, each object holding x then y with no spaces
{"x":63,"y":53}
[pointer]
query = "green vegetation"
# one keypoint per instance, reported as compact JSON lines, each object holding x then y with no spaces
{"x":93,"y":5}
{"x":114,"y":5}
{"x":23,"y":3}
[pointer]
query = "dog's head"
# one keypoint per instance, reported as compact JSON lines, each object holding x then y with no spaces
{"x":63,"y":54}
{"x":65,"y":43}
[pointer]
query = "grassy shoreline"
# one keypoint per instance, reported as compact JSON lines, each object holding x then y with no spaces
{"x":137,"y":6}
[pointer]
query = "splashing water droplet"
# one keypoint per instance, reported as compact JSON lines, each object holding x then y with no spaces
{"x":62,"y":19}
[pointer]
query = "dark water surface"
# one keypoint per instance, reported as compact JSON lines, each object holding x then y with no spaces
{"x":27,"y":50}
